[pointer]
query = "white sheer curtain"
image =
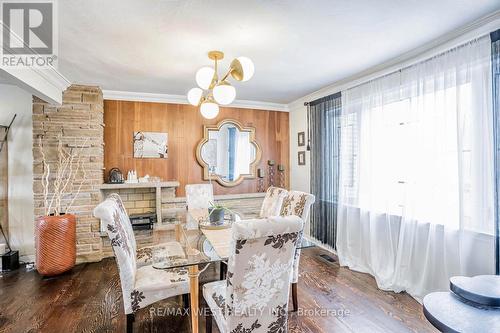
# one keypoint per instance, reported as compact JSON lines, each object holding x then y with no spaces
{"x":416,"y":178}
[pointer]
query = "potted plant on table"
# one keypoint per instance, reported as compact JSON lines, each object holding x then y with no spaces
{"x":55,"y":232}
{"x":216,"y":213}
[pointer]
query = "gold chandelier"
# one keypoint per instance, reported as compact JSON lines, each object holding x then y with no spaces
{"x":213,"y":92}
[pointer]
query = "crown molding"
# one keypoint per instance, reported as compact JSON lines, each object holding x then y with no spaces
{"x":181,"y":99}
{"x":53,"y":77}
{"x":45,"y":83}
{"x":258,"y":105}
{"x":454,"y":38}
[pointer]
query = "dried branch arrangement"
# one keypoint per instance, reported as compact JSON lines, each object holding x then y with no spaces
{"x":58,"y":184}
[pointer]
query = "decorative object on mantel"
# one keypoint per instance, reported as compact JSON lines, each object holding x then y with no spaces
{"x":154,"y":179}
{"x":260,"y":180}
{"x":301,"y":158}
{"x":213,"y":92}
{"x":132,"y":177}
{"x":281,"y":175}
{"x":301,"y":139}
{"x":270,"y":172}
{"x":150,"y":145}
{"x":115,"y":176}
{"x":55,"y":233}
{"x":144,"y":179}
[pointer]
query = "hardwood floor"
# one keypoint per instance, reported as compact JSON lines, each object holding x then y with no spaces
{"x":88,"y":299}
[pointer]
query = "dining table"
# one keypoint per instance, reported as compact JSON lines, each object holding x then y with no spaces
{"x":197,"y":244}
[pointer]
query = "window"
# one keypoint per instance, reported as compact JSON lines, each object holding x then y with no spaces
{"x":349,"y":142}
{"x":415,"y":163}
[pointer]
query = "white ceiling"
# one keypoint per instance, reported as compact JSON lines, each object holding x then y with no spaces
{"x":299,"y":46}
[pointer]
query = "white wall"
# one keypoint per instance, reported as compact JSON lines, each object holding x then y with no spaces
{"x":300,"y":175}
{"x":14,"y":100}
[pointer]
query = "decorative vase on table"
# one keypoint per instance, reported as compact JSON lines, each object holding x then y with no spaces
{"x":55,"y":241}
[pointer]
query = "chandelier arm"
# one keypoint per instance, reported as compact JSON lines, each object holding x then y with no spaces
{"x":202,"y":99}
{"x":227,"y":74}
{"x":215,"y":79}
{"x":216,"y":68}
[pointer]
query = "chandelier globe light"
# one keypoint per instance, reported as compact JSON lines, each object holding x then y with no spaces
{"x":245,"y":67}
{"x":213,"y":91}
{"x":204,"y":77}
{"x":209,"y":109}
{"x":194,"y":96}
{"x":224,"y":93}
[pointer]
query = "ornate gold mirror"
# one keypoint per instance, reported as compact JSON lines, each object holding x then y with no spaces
{"x":228,"y":152}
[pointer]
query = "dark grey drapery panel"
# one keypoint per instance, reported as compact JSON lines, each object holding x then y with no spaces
{"x":495,"y":67}
{"x":324,"y":118}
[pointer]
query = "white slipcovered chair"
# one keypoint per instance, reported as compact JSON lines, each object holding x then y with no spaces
{"x":298,"y":204}
{"x":199,"y":196}
{"x":254,"y":297}
{"x":271,"y":206}
{"x":144,"y":285}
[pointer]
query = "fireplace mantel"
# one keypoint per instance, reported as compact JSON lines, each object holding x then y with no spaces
{"x":172,"y":183}
{"x":158,"y":186}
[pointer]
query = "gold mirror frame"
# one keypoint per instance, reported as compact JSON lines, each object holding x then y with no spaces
{"x":253,"y":165}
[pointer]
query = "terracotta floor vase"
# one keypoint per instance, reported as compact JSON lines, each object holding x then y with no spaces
{"x":55,"y":241}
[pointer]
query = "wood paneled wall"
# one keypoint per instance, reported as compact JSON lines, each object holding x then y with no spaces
{"x":184,"y":126}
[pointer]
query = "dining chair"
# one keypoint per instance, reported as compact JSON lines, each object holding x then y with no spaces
{"x":199,"y":196}
{"x":299,"y":204}
{"x":140,"y":286}
{"x":254,"y":296}
{"x":271,"y":206}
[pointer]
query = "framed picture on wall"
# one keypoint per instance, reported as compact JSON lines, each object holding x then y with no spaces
{"x":150,"y":145}
{"x":302,"y":158}
{"x":301,"y":139}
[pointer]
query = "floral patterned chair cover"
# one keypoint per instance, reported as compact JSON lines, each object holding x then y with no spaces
{"x":271,"y":206}
{"x":140,"y":286}
{"x":144,"y":255}
{"x":299,"y":204}
{"x":198,"y":199}
{"x":254,"y":297}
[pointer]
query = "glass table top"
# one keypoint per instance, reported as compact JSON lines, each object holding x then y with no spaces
{"x":194,"y":241}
